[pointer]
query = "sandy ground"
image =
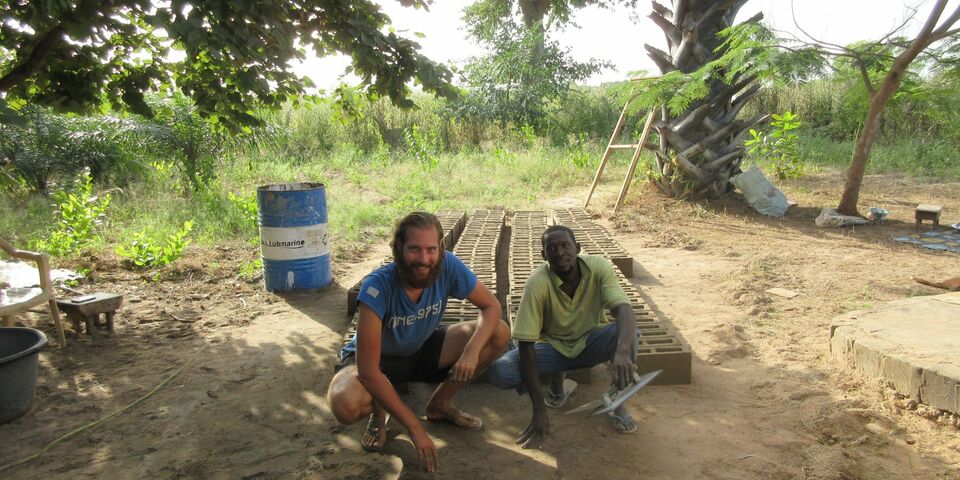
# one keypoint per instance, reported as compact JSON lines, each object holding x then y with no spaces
{"x":766,"y":400}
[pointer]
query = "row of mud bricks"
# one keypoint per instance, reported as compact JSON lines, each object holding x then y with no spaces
{"x":476,"y":242}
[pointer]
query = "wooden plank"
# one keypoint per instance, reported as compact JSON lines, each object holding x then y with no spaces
{"x":634,"y":161}
{"x":606,"y":153}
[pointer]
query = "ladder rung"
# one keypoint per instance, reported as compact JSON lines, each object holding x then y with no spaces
{"x":632,"y":146}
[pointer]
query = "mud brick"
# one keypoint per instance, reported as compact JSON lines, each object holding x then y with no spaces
{"x":625,"y":264}
{"x":657,"y":341}
{"x":653,"y":330}
{"x":352,"y":295}
{"x":633,"y":294}
{"x":512,"y":315}
{"x":452,"y":222}
{"x":674,"y":360}
{"x":647,"y":320}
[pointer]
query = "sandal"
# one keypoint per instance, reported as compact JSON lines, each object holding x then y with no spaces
{"x":375,"y":435}
{"x":554,"y":400}
{"x":623,"y":421}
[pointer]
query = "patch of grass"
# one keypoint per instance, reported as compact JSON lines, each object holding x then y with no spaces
{"x":366,"y":192}
{"x":910,"y":156}
{"x":25,"y":218}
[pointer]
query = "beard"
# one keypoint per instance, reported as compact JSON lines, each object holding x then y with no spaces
{"x":408,"y":274}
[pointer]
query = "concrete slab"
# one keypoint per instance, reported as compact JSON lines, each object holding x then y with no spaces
{"x":913,"y":343}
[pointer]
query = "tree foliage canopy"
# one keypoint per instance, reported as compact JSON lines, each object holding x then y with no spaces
{"x":525,"y":69}
{"x":235,"y":55}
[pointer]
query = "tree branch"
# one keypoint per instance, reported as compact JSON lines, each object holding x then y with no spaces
{"x":865,"y":76}
{"x":943,"y":29}
{"x":32,"y":63}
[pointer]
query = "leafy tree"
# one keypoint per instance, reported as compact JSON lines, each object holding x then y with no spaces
{"x":178,"y":132}
{"x":525,"y":69}
{"x":933,"y":30}
{"x":230,"y":56}
{"x":515,"y":82}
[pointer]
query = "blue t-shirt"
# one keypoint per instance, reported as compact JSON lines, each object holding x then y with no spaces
{"x":405,"y":325}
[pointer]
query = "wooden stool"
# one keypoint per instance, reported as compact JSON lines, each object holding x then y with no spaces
{"x":88,"y":308}
{"x":926,"y":211}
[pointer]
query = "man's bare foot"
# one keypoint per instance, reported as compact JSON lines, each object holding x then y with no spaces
{"x":375,"y":436}
{"x":454,"y":416}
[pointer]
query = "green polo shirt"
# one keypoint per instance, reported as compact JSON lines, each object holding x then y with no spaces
{"x":547,"y":313}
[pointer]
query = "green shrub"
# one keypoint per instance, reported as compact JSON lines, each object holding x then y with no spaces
{"x":422,"y":146}
{"x":79,"y":214}
{"x":779,"y":147}
{"x":577,"y":152}
{"x":34,"y":148}
{"x":591,"y":111}
{"x":191,"y":143}
{"x":247,"y":206}
{"x":149,"y":253}
{"x":39,"y":146}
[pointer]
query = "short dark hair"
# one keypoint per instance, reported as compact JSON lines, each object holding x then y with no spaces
{"x":419,"y":220}
{"x":557,"y":228}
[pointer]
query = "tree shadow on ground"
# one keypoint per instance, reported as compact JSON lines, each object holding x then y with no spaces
{"x":248,"y":402}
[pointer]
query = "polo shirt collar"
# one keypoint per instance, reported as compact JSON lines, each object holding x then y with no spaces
{"x":584,"y":272}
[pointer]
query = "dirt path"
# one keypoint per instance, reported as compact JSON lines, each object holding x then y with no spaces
{"x":765,"y":402}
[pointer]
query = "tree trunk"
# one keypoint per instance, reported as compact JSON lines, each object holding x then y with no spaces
{"x":534,"y":12}
{"x":871,"y":127}
{"x":702,"y":147}
{"x":878,"y":102}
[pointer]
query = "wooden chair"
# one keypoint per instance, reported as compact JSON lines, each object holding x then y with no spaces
{"x":13,"y":300}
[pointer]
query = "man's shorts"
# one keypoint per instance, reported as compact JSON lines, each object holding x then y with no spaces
{"x":422,"y":366}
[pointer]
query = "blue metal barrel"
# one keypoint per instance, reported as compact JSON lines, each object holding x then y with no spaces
{"x":293,"y":236}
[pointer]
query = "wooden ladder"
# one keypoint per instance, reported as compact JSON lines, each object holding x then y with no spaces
{"x":636,"y":147}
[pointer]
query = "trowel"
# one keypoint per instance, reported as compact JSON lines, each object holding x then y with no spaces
{"x":613,"y":398}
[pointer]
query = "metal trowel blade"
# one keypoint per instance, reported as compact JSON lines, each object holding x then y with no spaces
{"x":585,"y":407}
{"x":618,"y":398}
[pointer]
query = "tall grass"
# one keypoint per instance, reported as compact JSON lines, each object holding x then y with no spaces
{"x":910,"y":156}
{"x":364,"y":195}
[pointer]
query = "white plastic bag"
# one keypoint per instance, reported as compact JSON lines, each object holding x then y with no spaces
{"x":830,"y":218}
{"x":760,"y":193}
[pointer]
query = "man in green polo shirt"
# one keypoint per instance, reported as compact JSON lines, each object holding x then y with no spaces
{"x":561,"y":326}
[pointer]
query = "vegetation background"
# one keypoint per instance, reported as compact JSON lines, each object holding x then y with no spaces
{"x":378,"y":160}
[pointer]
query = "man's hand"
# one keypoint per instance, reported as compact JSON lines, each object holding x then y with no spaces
{"x":621,"y":370}
{"x":466,"y":366}
{"x":425,"y":449}
{"x":537,"y":431}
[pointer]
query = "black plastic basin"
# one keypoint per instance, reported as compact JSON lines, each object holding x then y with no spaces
{"x":19,"y":363}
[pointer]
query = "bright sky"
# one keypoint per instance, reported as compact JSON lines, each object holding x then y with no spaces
{"x":611,"y":35}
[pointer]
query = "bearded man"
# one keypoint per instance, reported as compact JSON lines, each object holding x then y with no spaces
{"x":400,"y":339}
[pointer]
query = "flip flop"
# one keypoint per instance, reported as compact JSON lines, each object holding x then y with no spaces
{"x":459,"y":419}
{"x":623,"y":423}
{"x":553,"y":400}
{"x":374,"y":430}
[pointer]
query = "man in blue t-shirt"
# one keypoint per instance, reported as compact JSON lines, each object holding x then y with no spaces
{"x":399,"y":339}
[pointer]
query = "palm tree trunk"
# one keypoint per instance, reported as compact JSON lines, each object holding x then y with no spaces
{"x":701,"y":148}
